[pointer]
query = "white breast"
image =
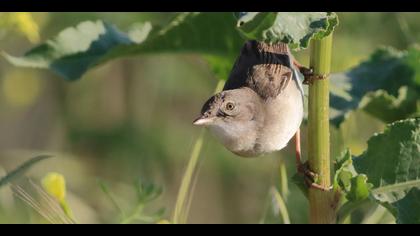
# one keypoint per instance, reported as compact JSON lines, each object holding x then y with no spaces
{"x":239,"y":139}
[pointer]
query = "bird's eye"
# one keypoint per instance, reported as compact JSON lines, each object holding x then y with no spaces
{"x":230,"y":106}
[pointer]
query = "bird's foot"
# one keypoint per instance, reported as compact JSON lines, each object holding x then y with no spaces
{"x":308,"y":73}
{"x":309,"y":76}
{"x":310,"y":177}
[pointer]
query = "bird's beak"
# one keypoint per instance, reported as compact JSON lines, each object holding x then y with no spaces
{"x":203,"y":120}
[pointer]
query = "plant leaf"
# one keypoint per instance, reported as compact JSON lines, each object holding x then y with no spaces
{"x":386,"y":86}
{"x":299,"y":181}
{"x":386,"y":173}
{"x":392,"y":160}
{"x":390,"y":108}
{"x":21,"y":170}
{"x":294,"y":28}
{"x":360,"y":189}
{"x":406,"y":209}
{"x":354,"y":186}
{"x":343,"y":173}
{"x":75,"y":50}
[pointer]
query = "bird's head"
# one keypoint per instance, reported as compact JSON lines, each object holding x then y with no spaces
{"x":232,"y":113}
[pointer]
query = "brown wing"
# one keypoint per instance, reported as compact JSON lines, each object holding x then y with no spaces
{"x":262,"y":67}
{"x":269,"y":80}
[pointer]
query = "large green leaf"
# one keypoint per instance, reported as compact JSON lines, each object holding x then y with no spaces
{"x":78,"y":49}
{"x":386,"y":86}
{"x":19,"y":171}
{"x":407,"y":209}
{"x":390,"y":108}
{"x":388,"y":173}
{"x":392,"y":160}
{"x":294,"y":28}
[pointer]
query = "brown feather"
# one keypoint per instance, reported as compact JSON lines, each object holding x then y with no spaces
{"x":262,"y":67}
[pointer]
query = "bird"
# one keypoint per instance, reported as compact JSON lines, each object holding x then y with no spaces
{"x":260,"y":108}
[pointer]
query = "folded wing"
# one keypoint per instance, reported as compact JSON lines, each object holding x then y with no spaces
{"x":267,"y":69}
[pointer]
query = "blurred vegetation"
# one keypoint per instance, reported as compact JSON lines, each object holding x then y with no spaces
{"x":130,"y":120}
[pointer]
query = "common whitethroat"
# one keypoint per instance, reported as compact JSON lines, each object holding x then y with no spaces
{"x":261,"y":106}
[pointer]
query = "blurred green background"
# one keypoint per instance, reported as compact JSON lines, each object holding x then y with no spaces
{"x":132,"y":120}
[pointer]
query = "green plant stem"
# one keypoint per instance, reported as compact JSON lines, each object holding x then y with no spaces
{"x":136,"y":213}
{"x":281,"y":205}
{"x":110,"y":196}
{"x":183,"y":201}
{"x":180,"y":215}
{"x":67,"y":210}
{"x":321,"y":203}
{"x":284,"y":186}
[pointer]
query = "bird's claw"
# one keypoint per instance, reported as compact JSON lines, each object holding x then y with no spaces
{"x":310,"y":177}
{"x":309,"y":76}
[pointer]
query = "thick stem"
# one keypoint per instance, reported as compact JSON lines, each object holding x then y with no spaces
{"x":322,"y":204}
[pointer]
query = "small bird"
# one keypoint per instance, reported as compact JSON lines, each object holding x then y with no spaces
{"x":261,"y":106}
